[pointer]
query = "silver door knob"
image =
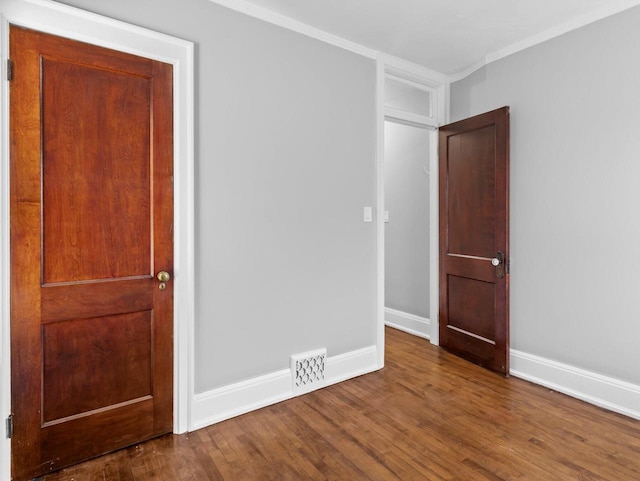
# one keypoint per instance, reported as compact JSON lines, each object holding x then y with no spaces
{"x":495,"y":262}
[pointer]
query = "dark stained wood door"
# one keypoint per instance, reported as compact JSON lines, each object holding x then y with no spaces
{"x":474,"y":239}
{"x":91,"y":159}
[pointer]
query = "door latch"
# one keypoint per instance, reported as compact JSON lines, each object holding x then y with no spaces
{"x":498,"y":263}
{"x":10,"y":426}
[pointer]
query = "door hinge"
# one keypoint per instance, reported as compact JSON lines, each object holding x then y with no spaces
{"x":10,"y":426}
{"x":9,"y":70}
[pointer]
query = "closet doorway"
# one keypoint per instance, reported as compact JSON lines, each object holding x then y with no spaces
{"x":410,"y":197}
{"x":406,"y":174}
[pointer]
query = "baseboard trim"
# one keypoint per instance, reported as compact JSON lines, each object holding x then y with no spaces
{"x":351,"y":364}
{"x":240,"y":398}
{"x":603,"y":391}
{"x":410,"y":323}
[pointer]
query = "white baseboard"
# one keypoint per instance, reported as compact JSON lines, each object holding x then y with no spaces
{"x":416,"y":325}
{"x":609,"y":393}
{"x":603,"y":391}
{"x":240,"y":398}
{"x":233,"y":400}
{"x":351,"y":364}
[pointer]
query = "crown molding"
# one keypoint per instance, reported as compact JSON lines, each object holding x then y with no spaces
{"x":269,"y":16}
{"x":477,"y":65}
{"x":611,"y":9}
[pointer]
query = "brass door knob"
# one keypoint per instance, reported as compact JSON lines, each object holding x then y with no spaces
{"x":163,"y":276}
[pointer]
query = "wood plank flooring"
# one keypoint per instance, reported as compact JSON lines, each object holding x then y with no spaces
{"x":427,"y":415}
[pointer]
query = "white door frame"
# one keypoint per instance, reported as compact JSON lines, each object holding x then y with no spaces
{"x":438,"y":84}
{"x":73,"y":23}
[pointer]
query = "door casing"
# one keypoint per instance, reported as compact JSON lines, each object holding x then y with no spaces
{"x":73,"y":23}
{"x":440,"y":84}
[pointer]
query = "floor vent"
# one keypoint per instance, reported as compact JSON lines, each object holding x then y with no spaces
{"x":307,"y":370}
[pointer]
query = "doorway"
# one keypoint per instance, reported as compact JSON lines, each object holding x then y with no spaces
{"x":413,"y":107}
{"x":407,"y":219}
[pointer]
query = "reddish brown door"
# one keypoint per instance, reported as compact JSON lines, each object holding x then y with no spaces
{"x":474,"y":239}
{"x":91,"y":158}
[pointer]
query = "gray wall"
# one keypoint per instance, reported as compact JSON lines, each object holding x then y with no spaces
{"x":575,"y":192}
{"x":285,"y":162}
{"x":406,"y":190}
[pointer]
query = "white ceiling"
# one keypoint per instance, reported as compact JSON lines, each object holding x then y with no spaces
{"x":449,"y":36}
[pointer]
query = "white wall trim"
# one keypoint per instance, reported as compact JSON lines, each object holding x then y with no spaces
{"x":58,"y":19}
{"x":274,"y":18}
{"x":410,"y":323}
{"x":606,"y":11}
{"x":5,"y":258}
{"x":434,"y":227}
{"x":380,"y":228}
{"x":239,"y":398}
{"x":409,"y":118}
{"x":609,"y":393}
{"x":404,"y":69}
{"x":477,"y":65}
{"x":351,"y":364}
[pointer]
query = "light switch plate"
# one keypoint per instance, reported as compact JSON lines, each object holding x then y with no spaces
{"x":368,"y":214}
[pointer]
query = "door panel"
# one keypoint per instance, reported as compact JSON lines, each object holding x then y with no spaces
{"x":471,"y":193}
{"x":474,"y":224}
{"x":471,"y":305}
{"x":91,"y":160}
{"x":73,"y":351}
{"x":96,"y":194}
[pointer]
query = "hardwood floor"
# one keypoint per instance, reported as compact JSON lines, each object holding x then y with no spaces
{"x":427,"y":415}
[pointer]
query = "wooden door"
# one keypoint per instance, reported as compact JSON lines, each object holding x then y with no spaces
{"x":474,"y":239}
{"x":91,"y":159}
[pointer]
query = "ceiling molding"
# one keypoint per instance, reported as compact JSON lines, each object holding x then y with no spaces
{"x":469,"y":70}
{"x":582,"y":21}
{"x":269,"y":16}
{"x":251,"y":9}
